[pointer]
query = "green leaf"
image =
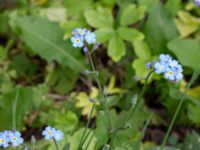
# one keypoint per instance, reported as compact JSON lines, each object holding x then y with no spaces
{"x":46,"y":39}
{"x":147,"y":3}
{"x":142,"y":50}
{"x":75,"y":139}
{"x":104,"y":34}
{"x":187,"y":24}
{"x":62,"y":79}
{"x":191,"y":141}
{"x":187,"y":51}
{"x":130,"y":34}
{"x":193,"y":111}
{"x":100,"y":18}
{"x":23,"y":106}
{"x":63,"y":120}
{"x":116,"y":48}
{"x":173,"y":6}
{"x":131,"y":14}
{"x":159,"y":29}
{"x":140,"y":67}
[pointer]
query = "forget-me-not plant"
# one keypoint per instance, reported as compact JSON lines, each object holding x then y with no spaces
{"x":50,"y":133}
{"x":197,"y":3}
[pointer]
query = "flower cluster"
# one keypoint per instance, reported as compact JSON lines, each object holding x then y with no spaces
{"x":10,"y":137}
{"x":197,"y":3}
{"x":171,"y":69}
{"x":80,"y":35}
{"x":50,"y":133}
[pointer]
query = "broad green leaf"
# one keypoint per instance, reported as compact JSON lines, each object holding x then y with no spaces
{"x":142,"y":50}
{"x":173,"y":6}
{"x":104,"y":34}
{"x":23,"y":105}
{"x":131,"y":14}
{"x":63,"y":120}
{"x":158,"y":148}
{"x":62,"y":79}
{"x":130,"y":34}
{"x":100,"y":18}
{"x":76,"y":8}
{"x":147,"y":3}
{"x":46,"y":39}
{"x":159,"y":29}
{"x":116,"y":48}
{"x":75,"y":139}
{"x":187,"y":24}
{"x":187,"y":51}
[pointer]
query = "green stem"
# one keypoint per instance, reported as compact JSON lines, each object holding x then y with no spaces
{"x":100,"y":89}
{"x":135,"y":107}
{"x":56,"y":144}
{"x":15,"y":109}
{"x":89,"y":141}
{"x":138,"y":101}
{"x":87,"y":126}
{"x":194,"y":77}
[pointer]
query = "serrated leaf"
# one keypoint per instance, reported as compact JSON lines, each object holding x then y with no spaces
{"x":116,"y":48}
{"x":130,"y":34}
{"x":83,"y":101}
{"x":100,"y":18}
{"x":46,"y":39}
{"x":187,"y":51}
{"x":104,"y":34}
{"x":131,"y":14}
{"x":159,"y":29}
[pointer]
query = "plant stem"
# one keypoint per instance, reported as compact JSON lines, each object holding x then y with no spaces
{"x":56,"y":144}
{"x":194,"y":77}
{"x":89,"y":141}
{"x":87,"y":126}
{"x":135,"y":107}
{"x":100,"y":89}
{"x":15,"y":109}
{"x":138,"y":101}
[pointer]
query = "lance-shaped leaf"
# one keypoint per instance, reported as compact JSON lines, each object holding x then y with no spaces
{"x":45,"y":38}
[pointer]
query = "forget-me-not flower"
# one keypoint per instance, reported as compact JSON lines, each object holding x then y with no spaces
{"x":3,"y":141}
{"x":82,"y":35}
{"x":48,"y":133}
{"x":90,"y":37}
{"x":15,"y":138}
{"x":171,"y":69}
{"x":77,"y":41}
{"x":58,"y":135}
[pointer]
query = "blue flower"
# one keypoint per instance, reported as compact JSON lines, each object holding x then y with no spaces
{"x":171,"y":69}
{"x":3,"y":141}
{"x":58,"y":135}
{"x":77,"y":41}
{"x":7,"y":134}
{"x":48,"y":133}
{"x":197,"y":3}
{"x":15,"y":138}
{"x":160,"y":67}
{"x":80,"y":35}
{"x":164,"y":58}
{"x":79,"y":32}
{"x":90,"y":37}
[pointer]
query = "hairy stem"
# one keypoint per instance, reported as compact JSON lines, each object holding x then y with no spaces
{"x":56,"y":144}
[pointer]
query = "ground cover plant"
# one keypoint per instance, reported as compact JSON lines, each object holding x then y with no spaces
{"x":100,"y":74}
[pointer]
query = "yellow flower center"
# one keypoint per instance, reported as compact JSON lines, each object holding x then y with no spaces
{"x":171,"y":73}
{"x":49,"y":133}
{"x":2,"y":140}
{"x":15,"y":139}
{"x":77,"y":40}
